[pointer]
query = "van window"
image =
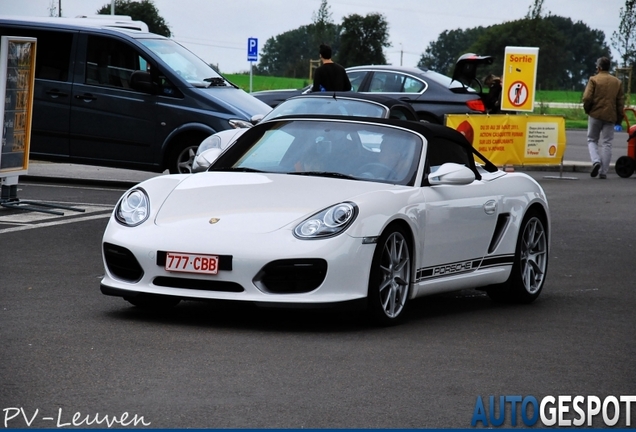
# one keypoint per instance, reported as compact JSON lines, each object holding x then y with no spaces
{"x":53,"y":51}
{"x":110,"y":62}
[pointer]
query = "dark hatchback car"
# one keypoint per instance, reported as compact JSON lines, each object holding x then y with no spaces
{"x":431,"y":94}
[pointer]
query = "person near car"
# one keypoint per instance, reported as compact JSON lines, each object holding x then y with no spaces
{"x":492,"y":100}
{"x":329,"y":76}
{"x":603,"y":102}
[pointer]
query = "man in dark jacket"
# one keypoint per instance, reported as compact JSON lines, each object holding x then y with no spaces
{"x":330,"y":76}
{"x":603,"y":102}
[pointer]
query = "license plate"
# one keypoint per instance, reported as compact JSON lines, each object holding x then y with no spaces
{"x":192,"y":263}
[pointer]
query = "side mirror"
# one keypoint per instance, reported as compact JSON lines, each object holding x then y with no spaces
{"x":203,"y":160}
{"x":451,"y":174}
{"x":141,"y":81}
{"x":256,"y":118}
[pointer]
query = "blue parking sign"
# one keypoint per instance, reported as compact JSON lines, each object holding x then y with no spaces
{"x":252,"y":49}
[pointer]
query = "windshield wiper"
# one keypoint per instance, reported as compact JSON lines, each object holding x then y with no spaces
{"x":215,"y":82}
{"x":238,"y":169}
{"x":324,"y":174}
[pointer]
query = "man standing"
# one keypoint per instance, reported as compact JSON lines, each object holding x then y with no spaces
{"x":330,"y":76}
{"x":603,"y":103}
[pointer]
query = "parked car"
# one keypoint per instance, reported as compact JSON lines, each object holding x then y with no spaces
{"x":432,"y":95}
{"x":308,"y":211}
{"x":342,"y":104}
{"x":110,"y":95}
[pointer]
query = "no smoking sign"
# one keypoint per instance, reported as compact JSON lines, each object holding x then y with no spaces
{"x":518,"y":93}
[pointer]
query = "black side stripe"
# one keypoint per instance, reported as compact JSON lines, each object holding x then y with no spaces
{"x":461,"y":267}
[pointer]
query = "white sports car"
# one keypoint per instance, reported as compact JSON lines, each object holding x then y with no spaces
{"x":314,"y":211}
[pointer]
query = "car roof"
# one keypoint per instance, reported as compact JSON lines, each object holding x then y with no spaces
{"x":382,"y":99}
{"x":407,"y":69}
{"x":135,"y":29}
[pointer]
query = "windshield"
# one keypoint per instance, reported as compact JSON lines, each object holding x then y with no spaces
{"x":184,"y":63}
{"x":329,"y":148}
{"x":328,"y":106}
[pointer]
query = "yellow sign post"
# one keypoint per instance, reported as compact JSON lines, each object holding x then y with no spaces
{"x":519,"y":78}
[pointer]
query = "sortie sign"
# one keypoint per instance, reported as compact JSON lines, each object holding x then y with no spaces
{"x":519,"y":78}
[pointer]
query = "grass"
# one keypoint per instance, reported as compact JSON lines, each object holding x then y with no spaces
{"x":574,"y":116}
{"x":266,"y":82}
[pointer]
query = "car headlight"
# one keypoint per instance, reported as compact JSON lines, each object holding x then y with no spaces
{"x":328,"y":222}
{"x":213,"y":141}
{"x":133,"y":208}
{"x":236,"y":123}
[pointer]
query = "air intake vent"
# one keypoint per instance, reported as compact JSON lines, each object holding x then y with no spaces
{"x":292,"y":276}
{"x":122,"y":264}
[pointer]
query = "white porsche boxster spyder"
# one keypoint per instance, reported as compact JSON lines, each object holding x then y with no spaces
{"x":325,"y":211}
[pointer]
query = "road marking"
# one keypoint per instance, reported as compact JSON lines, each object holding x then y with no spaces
{"x":54,"y":223}
{"x":27,"y":216}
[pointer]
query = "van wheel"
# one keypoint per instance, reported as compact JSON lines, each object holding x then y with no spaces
{"x":182,"y":155}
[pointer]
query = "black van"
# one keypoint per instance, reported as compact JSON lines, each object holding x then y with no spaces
{"x":124,"y":98}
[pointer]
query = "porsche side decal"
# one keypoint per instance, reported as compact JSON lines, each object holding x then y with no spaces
{"x":462,"y":267}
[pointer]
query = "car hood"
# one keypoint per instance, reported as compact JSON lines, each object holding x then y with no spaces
{"x":254,"y":202}
{"x":236,"y":100}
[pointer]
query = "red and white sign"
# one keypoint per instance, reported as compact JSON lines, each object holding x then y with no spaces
{"x":518,"y":93}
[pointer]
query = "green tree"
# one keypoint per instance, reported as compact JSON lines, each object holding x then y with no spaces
{"x":362,"y":40}
{"x":536,"y":10}
{"x":540,"y":33}
{"x":624,"y":40}
{"x":583,"y":46}
{"x":143,"y":10}
{"x":325,"y":31}
{"x":441,"y":55}
{"x":288,"y":54}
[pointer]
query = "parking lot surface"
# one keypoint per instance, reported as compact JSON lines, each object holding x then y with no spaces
{"x":69,"y":349}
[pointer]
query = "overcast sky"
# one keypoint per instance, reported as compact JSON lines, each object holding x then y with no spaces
{"x":217,"y":30}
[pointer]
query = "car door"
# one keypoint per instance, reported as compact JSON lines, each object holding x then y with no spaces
{"x":109,"y":120}
{"x":460,"y":220}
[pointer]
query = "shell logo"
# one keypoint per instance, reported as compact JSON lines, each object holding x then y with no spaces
{"x":552,"y":150}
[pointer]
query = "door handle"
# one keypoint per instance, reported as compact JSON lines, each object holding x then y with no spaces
{"x":86,"y":97}
{"x":490,"y":207}
{"x":55,"y":93}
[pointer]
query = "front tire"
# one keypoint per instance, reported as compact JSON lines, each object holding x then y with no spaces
{"x":390,"y":278}
{"x":530,"y":263}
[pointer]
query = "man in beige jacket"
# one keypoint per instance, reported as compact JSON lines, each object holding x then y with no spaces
{"x":603,"y":103}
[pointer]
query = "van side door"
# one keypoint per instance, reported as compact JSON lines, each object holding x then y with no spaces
{"x":111,"y":123}
{"x":55,"y":53}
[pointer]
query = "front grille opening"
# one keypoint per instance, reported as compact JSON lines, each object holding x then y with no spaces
{"x":197,"y":284}
{"x":292,"y":276}
{"x":122,"y":264}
